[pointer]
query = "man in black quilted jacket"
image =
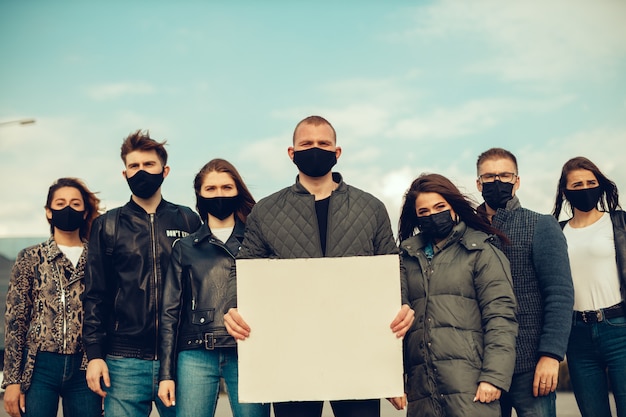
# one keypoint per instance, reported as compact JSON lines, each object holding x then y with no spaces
{"x":318,"y":216}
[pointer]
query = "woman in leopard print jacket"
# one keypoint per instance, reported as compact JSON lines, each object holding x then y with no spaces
{"x":44,"y":357}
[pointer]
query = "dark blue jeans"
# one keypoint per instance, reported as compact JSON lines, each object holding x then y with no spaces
{"x":56,"y":375}
{"x":520,"y":397}
{"x":594,"y":349}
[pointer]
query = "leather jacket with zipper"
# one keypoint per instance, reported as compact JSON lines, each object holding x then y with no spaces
{"x":195,"y":296}
{"x":123,"y":283}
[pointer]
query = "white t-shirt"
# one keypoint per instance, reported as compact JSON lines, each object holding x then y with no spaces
{"x":591,"y":252}
{"x":223,"y":233}
{"x":72,"y":253}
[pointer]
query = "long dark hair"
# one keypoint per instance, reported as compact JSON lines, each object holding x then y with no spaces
{"x":91,"y":202}
{"x":221,"y":165}
{"x":462,"y":205}
{"x":609,"y":201}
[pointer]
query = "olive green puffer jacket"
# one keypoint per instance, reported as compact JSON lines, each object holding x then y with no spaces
{"x":465,"y":325}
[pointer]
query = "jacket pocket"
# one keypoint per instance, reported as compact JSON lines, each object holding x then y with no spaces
{"x":201,"y":317}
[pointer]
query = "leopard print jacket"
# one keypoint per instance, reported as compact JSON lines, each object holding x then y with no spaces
{"x":43,"y":309}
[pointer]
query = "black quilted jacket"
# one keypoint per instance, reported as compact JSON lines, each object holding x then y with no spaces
{"x":284,"y":225}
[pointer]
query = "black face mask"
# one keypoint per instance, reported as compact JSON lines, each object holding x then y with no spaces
{"x":220,"y":207}
{"x":143,"y":184}
{"x":314,"y":162}
{"x":497,"y":193}
{"x":585,"y":199}
{"x":67,"y":219}
{"x":436,"y":226}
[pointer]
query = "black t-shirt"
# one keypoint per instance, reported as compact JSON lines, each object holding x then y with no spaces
{"x":321,"y":210}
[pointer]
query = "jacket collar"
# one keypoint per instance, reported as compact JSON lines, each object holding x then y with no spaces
{"x":511,"y":205}
{"x":136,"y":207}
{"x":53,"y":251}
{"x":298,"y":188}
{"x":234,"y":241}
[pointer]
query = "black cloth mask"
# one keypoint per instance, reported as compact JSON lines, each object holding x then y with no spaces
{"x":314,"y":162}
{"x":143,"y":184}
{"x":67,"y":219}
{"x":497,"y":193}
{"x":585,"y":199}
{"x":220,"y":207}
{"x":436,"y":226}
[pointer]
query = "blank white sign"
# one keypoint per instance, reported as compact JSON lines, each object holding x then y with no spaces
{"x":320,"y":329}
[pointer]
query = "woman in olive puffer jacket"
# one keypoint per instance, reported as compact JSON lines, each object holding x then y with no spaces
{"x":460,"y":352}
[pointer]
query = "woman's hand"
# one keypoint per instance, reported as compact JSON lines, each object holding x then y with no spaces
{"x":167,"y":392}
{"x":487,"y":393}
{"x":14,"y":400}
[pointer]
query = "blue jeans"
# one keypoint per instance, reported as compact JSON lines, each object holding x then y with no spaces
{"x":56,"y":375}
{"x":197,"y":385}
{"x":593,"y":349}
{"x":134,"y":386}
{"x":521,"y":398}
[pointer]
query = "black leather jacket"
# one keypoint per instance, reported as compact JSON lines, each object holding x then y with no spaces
{"x":195,"y":296}
{"x":618,"y":218}
{"x":123,"y":287}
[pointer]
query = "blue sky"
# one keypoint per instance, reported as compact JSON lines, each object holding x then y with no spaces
{"x":410,"y":86}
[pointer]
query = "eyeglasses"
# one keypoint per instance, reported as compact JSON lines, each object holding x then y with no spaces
{"x":503,"y":176}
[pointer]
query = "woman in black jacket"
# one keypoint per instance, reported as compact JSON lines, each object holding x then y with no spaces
{"x":195,"y":348}
{"x":596,"y":244}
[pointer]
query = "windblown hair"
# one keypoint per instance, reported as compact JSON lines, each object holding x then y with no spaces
{"x":92,"y":203}
{"x":141,"y":141}
{"x":221,"y":165}
{"x":462,"y":205}
{"x":315,"y":121}
{"x":609,"y":200}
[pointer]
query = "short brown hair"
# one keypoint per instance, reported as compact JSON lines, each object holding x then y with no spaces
{"x":141,"y":141}
{"x":315,"y":121}
{"x":495,"y":153}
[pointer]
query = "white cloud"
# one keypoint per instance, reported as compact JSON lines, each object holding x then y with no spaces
{"x":532,"y":40}
{"x":116,"y":90}
{"x":471,"y":117}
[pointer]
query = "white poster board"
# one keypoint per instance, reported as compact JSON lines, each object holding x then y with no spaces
{"x":320,"y":329}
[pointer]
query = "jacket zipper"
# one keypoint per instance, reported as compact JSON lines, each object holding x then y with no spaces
{"x":63,"y":307}
{"x":155,"y":283}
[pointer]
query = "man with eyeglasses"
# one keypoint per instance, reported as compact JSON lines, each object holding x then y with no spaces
{"x":542,"y":283}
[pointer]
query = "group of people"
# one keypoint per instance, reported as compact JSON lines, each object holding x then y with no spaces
{"x":136,"y":306}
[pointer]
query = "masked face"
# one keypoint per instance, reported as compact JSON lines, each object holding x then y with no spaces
{"x":585,"y":199}
{"x":497,"y":193}
{"x":67,"y":219}
{"x":143,"y":184}
{"x":314,"y":162}
{"x":219,"y":207}
{"x":437,"y":225}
